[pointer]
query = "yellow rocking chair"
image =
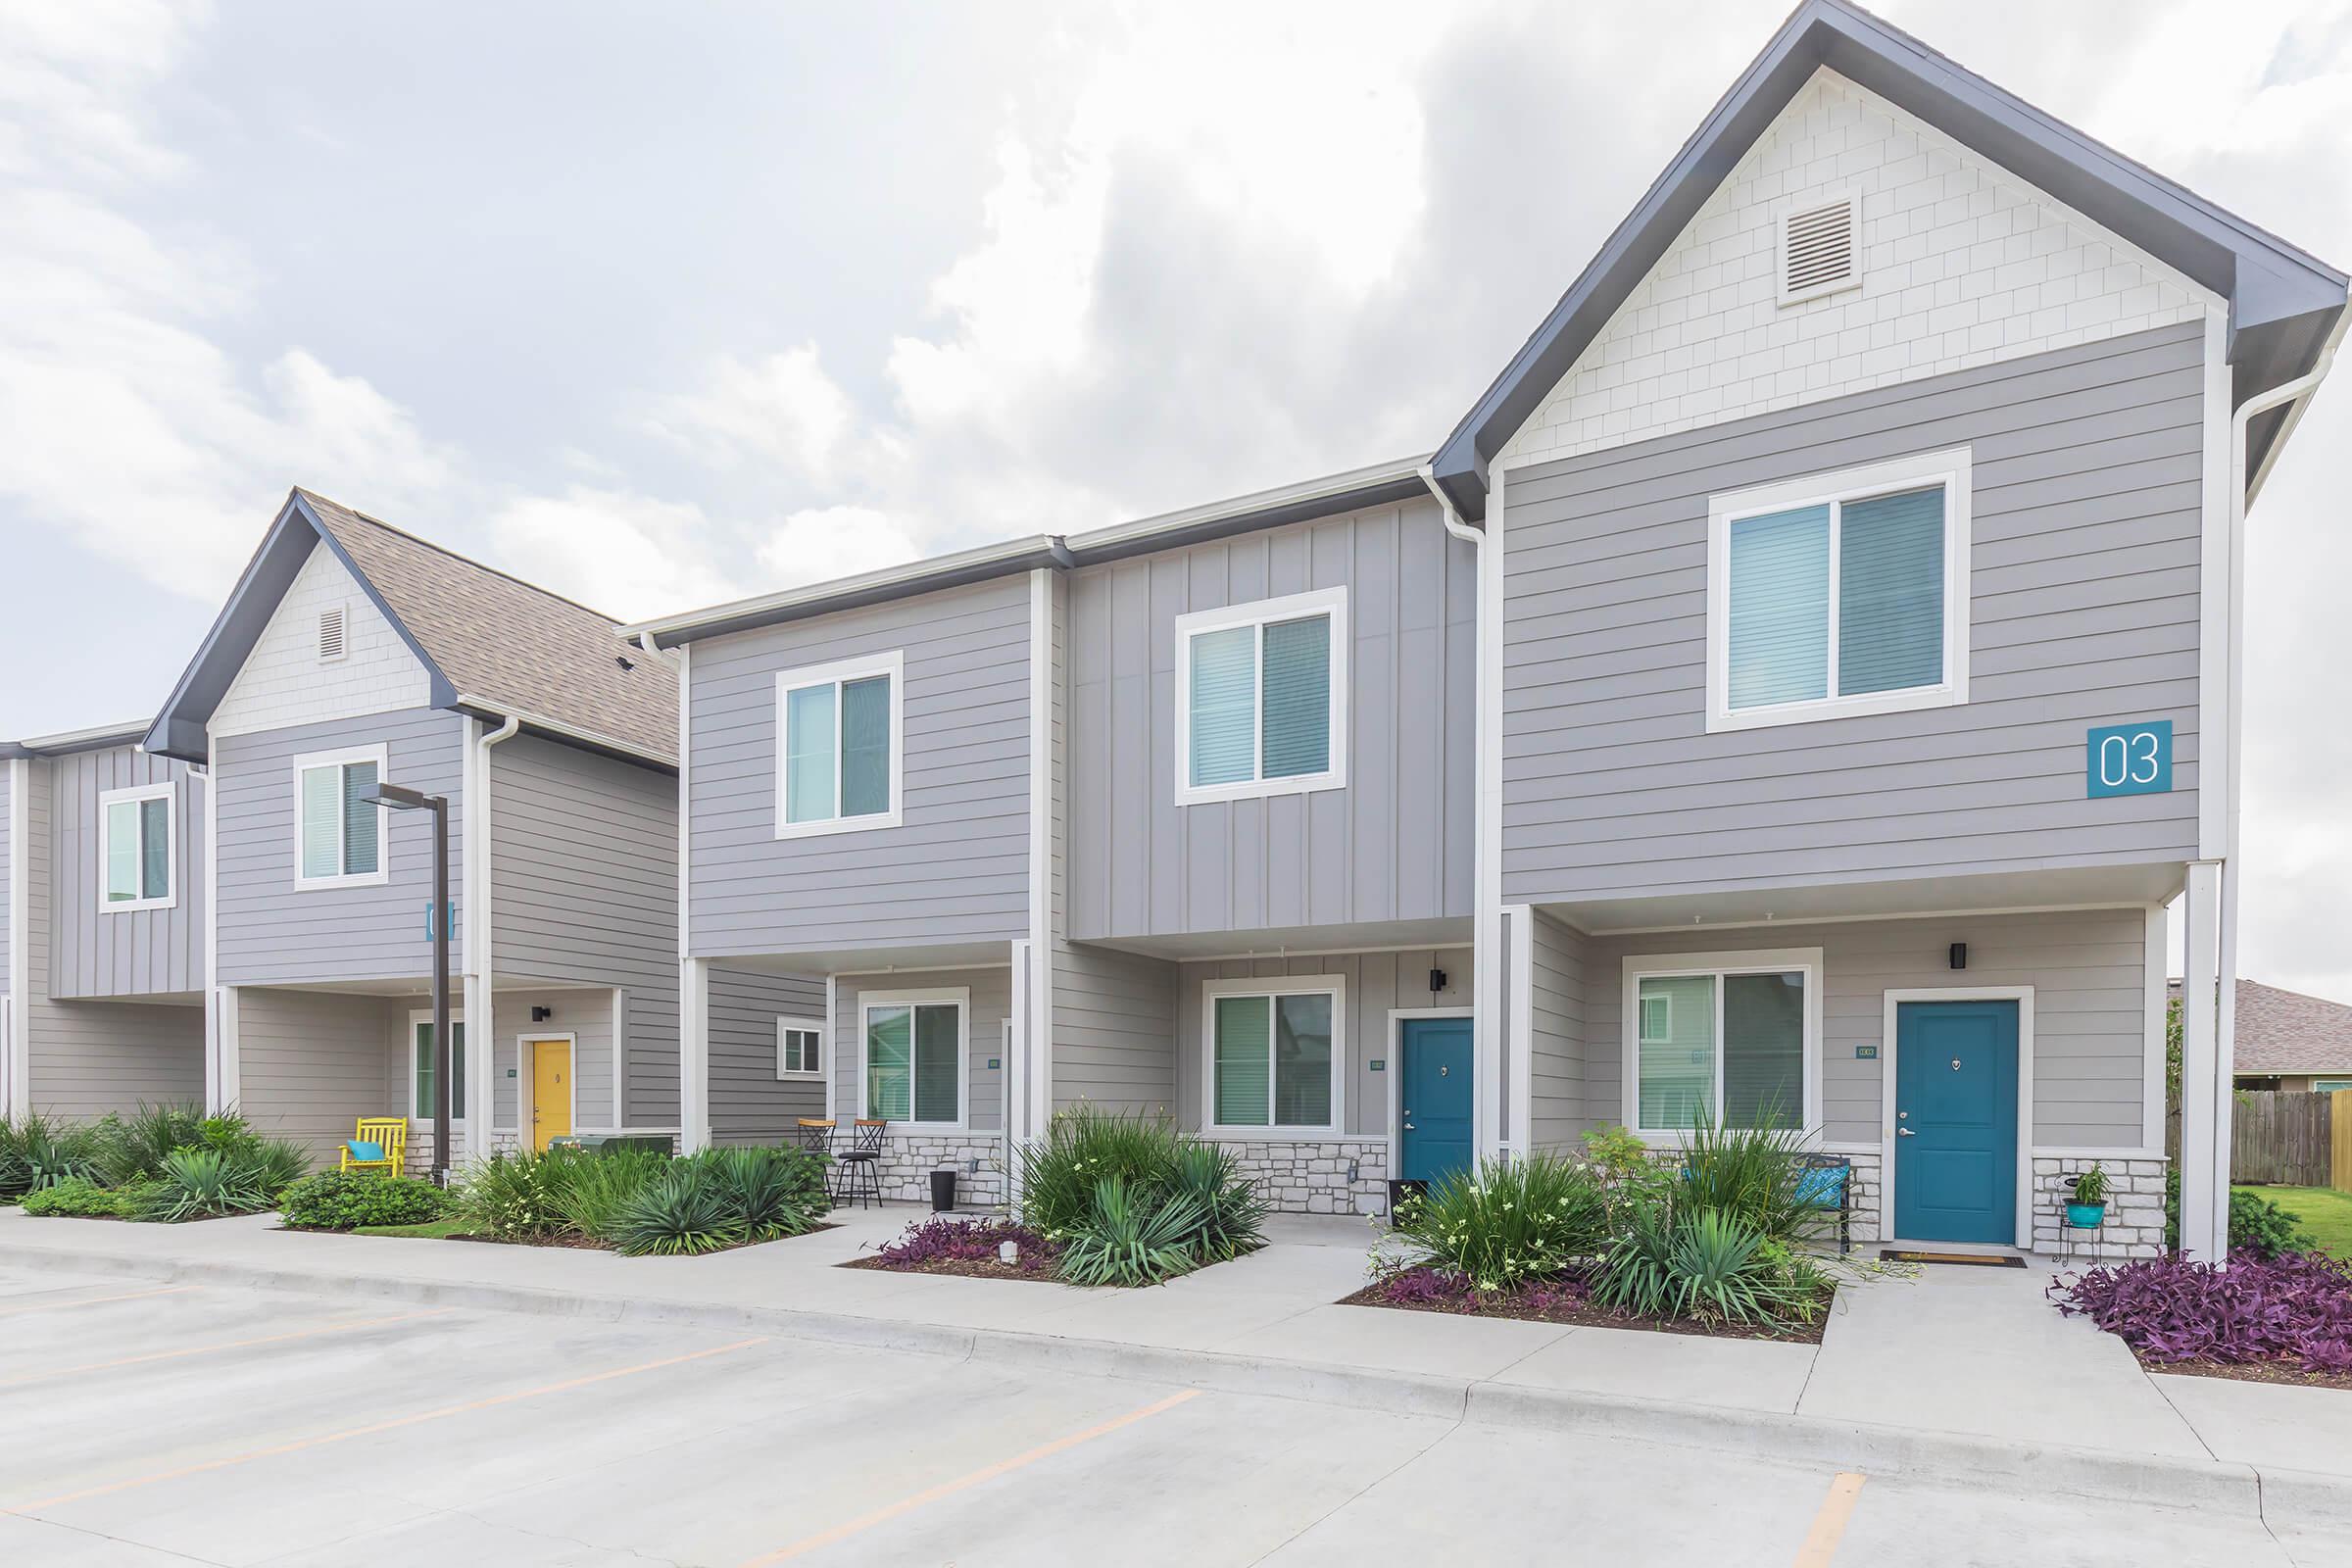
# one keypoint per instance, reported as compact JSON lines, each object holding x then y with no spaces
{"x":378,"y":1142}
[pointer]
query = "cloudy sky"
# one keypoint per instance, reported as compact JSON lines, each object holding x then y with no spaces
{"x":664,"y":305}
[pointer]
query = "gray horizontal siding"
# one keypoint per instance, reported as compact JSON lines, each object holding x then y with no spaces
{"x":955,"y":870}
{"x":135,"y":953}
{"x":1375,"y":983}
{"x":2084,"y":610}
{"x":749,"y":1102}
{"x":991,"y":1005}
{"x":1394,"y":843}
{"x":311,"y":1063}
{"x":587,"y":1016}
{"x":270,"y":932}
{"x":2088,"y":968}
{"x":1556,"y":1011}
{"x":1115,"y":1031}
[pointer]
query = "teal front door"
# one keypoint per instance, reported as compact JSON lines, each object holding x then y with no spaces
{"x":1433,"y":1098}
{"x":1955,"y":1121}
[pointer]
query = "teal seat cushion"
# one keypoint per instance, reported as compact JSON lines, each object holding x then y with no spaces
{"x":1823,"y":1188}
{"x":360,"y":1151}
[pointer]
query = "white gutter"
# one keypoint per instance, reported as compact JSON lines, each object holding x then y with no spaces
{"x":1305,"y":491}
{"x":16,"y":1059}
{"x":556,"y":727}
{"x":819,"y":592}
{"x":474,"y":916}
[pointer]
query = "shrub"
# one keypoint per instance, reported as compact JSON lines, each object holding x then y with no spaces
{"x":129,"y":1148}
{"x":516,"y":1197}
{"x":1084,"y":1148}
{"x":593,"y":1186}
{"x":2293,"y":1306}
{"x":761,"y":1189}
{"x":943,"y":1239}
{"x":685,"y":1210}
{"x":344,"y":1201}
{"x":1233,"y":1215}
{"x":39,"y":1152}
{"x":1508,"y":1221}
{"x":1707,"y":1264}
{"x":1752,"y":1174}
{"x":2260,"y":1227}
{"x":1124,"y":1239}
{"x":76,"y":1196}
{"x":200,"y":1182}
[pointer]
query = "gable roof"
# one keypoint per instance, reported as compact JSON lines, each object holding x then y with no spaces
{"x":492,"y":645}
{"x":2285,"y":303}
{"x":2285,"y":1031}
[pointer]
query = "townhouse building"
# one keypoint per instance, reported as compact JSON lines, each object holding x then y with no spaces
{"x":1791,"y":696}
{"x":102,"y":918}
{"x":350,"y":656}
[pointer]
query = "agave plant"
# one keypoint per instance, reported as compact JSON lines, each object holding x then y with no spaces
{"x":197,"y":1183}
{"x":761,"y":1189}
{"x":133,"y":1148}
{"x":1233,"y":1215}
{"x":38,"y":1152}
{"x":1122,"y":1242}
{"x":683,"y":1212}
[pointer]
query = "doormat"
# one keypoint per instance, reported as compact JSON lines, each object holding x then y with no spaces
{"x":1967,"y":1260}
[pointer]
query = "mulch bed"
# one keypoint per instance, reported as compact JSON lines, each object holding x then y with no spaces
{"x":1573,"y":1311}
{"x":1039,"y":1272}
{"x":2285,"y":1373}
{"x":577,"y":1244}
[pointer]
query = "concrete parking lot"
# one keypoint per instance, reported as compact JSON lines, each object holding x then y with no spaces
{"x":145,"y":1423}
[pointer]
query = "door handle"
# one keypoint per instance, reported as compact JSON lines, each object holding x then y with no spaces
{"x":1408,"y":1127}
{"x":1904,"y":1132}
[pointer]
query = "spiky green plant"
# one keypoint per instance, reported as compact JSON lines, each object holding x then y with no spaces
{"x":1084,"y":1148}
{"x":1124,"y":1240}
{"x":1509,"y":1221}
{"x":39,"y":1152}
{"x":201,"y":1183}
{"x":132,"y":1147}
{"x":1752,"y":1173}
{"x":1708,"y":1265}
{"x":1233,"y":1215}
{"x":685,"y":1210}
{"x":591,"y":1191}
{"x":516,"y":1197}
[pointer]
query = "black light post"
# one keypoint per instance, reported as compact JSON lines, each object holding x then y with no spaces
{"x":403,"y":799}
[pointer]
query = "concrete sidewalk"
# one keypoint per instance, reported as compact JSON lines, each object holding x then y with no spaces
{"x":1957,"y":1370}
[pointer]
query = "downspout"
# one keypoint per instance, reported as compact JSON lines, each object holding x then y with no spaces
{"x":16,"y":1072}
{"x":1488,"y":957}
{"x":482,"y":1060}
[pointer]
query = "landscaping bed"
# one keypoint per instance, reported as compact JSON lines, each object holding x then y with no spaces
{"x":968,"y":1249}
{"x":2282,"y":1318}
{"x":160,"y":1164}
{"x":1567,"y":1303}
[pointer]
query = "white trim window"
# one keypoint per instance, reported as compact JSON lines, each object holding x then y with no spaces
{"x":1262,"y":697}
{"x":339,"y":838}
{"x":1272,"y":1057}
{"x":421,"y":1064}
{"x":1840,"y":594}
{"x":915,"y":1055}
{"x":1735,"y":1037}
{"x":138,"y":848}
{"x":800,"y":1047}
{"x":839,"y":752}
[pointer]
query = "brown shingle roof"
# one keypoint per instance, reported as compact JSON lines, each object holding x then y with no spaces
{"x":509,"y":644}
{"x":2288,"y":1032}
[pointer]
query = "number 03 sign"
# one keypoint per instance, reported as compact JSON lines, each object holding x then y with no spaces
{"x":2130,"y":758}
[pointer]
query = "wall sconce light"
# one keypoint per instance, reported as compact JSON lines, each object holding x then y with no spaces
{"x":542,"y":1015}
{"x":1959,"y":955}
{"x":1436,"y":979}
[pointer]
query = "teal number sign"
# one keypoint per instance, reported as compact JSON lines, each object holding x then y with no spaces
{"x":2130,"y":758}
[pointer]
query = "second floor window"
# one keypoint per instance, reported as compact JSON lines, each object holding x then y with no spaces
{"x":1262,"y":697}
{"x":838,"y":728}
{"x":136,"y":848}
{"x":1842,"y":594}
{"x":338,"y":831}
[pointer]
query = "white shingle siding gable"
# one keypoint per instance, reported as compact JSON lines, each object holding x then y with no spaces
{"x":1963,"y":265}
{"x":284,"y":682}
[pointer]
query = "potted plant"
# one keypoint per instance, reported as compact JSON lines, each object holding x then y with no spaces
{"x":2088,"y":1209}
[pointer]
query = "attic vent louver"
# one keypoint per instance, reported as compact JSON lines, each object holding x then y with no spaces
{"x":330,"y":634}
{"x":1820,"y":250}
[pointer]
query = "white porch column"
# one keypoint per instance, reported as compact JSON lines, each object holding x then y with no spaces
{"x":15,"y":1048}
{"x":694,"y":1055}
{"x":2204,"y":1076}
{"x":221,"y":1078}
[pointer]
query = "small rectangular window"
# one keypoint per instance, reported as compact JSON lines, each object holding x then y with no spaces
{"x":1273,"y":1058}
{"x":799,"y":1047}
{"x":428,"y":1063}
{"x":838,"y":736}
{"x":1262,"y":698}
{"x":914,"y":1061}
{"x":1840,"y":595}
{"x":338,"y":831}
{"x":135,"y":853}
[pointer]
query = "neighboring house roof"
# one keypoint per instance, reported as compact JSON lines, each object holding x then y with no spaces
{"x":98,"y":739}
{"x":2288,"y":1032}
{"x":491,"y":644}
{"x":2285,"y":303}
{"x":1381,"y":484}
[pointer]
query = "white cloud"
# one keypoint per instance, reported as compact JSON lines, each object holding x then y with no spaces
{"x":826,"y":541}
{"x":630,"y":555}
{"x":782,"y":407}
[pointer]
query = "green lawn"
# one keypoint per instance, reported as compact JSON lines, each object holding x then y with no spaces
{"x":430,"y":1228}
{"x":2321,"y":1210}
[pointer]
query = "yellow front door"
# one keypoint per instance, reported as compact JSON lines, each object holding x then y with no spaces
{"x":550,"y":1090}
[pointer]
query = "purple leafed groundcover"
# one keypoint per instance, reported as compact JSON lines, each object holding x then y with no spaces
{"x":2295,"y":1308}
{"x":1438,"y":1288}
{"x":943,"y":1240}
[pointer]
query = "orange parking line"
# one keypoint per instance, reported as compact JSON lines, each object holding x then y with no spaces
{"x":97,"y":1301}
{"x":1829,"y":1525}
{"x":906,"y":1506}
{"x":375,"y":1426}
{"x":232,"y":1344}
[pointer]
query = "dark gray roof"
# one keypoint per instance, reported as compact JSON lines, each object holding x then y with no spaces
{"x":490,"y":643}
{"x":2288,"y":1032}
{"x":2284,"y":302}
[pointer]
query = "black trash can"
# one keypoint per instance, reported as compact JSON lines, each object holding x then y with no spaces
{"x":943,"y":1192}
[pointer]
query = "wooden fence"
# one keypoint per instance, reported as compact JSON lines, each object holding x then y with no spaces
{"x":2292,"y":1138}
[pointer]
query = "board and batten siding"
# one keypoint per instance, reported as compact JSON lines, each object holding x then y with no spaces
{"x":1375,"y":983}
{"x":749,"y":1102}
{"x":584,"y":890}
{"x":1393,"y":844}
{"x":991,"y":1005}
{"x":2089,"y":969}
{"x":956,"y":869}
{"x":2084,"y":610}
{"x":97,"y":952}
{"x":272,"y":932}
{"x":1558,"y":981}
